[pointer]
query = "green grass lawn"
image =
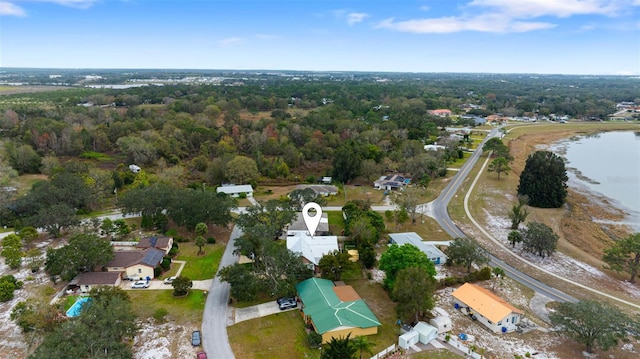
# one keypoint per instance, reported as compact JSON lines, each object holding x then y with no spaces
{"x":70,"y":299}
{"x":277,"y":336}
{"x":336,"y":222}
{"x":200,"y":267}
{"x":184,"y":310}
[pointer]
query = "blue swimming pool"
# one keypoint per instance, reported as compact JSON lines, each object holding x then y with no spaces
{"x":76,"y":308}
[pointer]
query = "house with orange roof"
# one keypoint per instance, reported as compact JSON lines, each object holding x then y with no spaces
{"x":441,"y":112}
{"x":487,"y":308}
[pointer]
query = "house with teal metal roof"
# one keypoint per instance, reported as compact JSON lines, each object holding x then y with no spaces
{"x":335,"y":310}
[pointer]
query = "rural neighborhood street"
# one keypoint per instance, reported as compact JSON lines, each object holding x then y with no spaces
{"x":214,"y":320}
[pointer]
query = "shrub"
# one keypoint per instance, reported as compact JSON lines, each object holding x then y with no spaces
{"x":166,"y":263}
{"x":211,"y":240}
{"x":314,"y":339}
{"x":157,"y":271}
{"x":171,"y":233}
{"x":159,"y":314}
{"x":49,"y":291}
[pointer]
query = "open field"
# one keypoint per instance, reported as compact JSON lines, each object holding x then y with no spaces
{"x":12,"y":90}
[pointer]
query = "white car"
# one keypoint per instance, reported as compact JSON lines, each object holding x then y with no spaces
{"x":169,"y":280}
{"x":140,"y":284}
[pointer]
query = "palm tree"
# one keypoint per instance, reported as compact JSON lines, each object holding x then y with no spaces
{"x":199,"y":243}
{"x":201,"y":229}
{"x":363,"y":344}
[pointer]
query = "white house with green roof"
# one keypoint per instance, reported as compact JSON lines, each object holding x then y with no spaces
{"x":335,"y":310}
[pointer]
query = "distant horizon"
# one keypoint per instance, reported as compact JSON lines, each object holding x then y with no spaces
{"x":570,"y":37}
{"x":3,"y":68}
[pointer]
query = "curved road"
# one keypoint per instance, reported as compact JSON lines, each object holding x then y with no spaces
{"x":214,"y":320}
{"x":441,"y":215}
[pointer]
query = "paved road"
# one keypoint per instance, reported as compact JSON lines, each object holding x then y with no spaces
{"x":438,"y":209}
{"x":214,"y":320}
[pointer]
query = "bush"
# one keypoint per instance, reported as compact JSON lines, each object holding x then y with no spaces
{"x":314,"y":339}
{"x":211,"y":240}
{"x":166,"y":263}
{"x":8,"y":284}
{"x":173,"y":251}
{"x":157,"y":271}
{"x":159,"y":314}
{"x":171,"y":233}
{"x":180,"y":239}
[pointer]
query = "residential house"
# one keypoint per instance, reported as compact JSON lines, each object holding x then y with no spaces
{"x":335,"y":311}
{"x":236,"y":190}
{"x":136,"y":265}
{"x":162,"y":243}
{"x":487,"y":308}
{"x":326,"y":180}
{"x":434,"y":147}
{"x":311,"y":249}
{"x":298,"y":225}
{"x":319,"y":189}
{"x":391,"y":182}
{"x":441,"y":112}
{"x":86,"y":281}
{"x":436,"y":255}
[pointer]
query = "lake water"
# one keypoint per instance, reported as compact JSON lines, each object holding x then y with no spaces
{"x":607,"y":163}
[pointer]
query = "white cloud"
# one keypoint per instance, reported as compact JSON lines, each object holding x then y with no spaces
{"x":426,"y":8}
{"x":557,"y":8}
{"x":355,"y":17}
{"x":495,"y":23}
{"x":9,"y":9}
{"x":352,"y":18}
{"x":229,"y":41}
{"x":503,"y":16}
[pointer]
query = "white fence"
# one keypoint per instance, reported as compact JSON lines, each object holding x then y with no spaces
{"x":383,"y":353}
{"x":468,"y":352}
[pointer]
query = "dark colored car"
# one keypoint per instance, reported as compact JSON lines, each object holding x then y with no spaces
{"x":196,"y":338}
{"x":285,"y":299}
{"x":288,"y":304}
{"x":201,"y":355}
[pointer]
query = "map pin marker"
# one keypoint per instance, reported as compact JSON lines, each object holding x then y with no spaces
{"x":311,"y":222}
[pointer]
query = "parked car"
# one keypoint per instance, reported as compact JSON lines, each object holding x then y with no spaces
{"x":196,"y":338}
{"x":288,"y":304}
{"x":169,"y":280}
{"x":201,"y":355}
{"x":285,"y":299}
{"x":140,"y":284}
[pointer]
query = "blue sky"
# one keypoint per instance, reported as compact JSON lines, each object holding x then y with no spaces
{"x":499,"y":36}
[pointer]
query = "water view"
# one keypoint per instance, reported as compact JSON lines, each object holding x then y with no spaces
{"x":607,"y":163}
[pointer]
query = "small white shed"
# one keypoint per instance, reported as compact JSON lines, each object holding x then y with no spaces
{"x":442,"y":324}
{"x":426,"y":332}
{"x":408,"y":339}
